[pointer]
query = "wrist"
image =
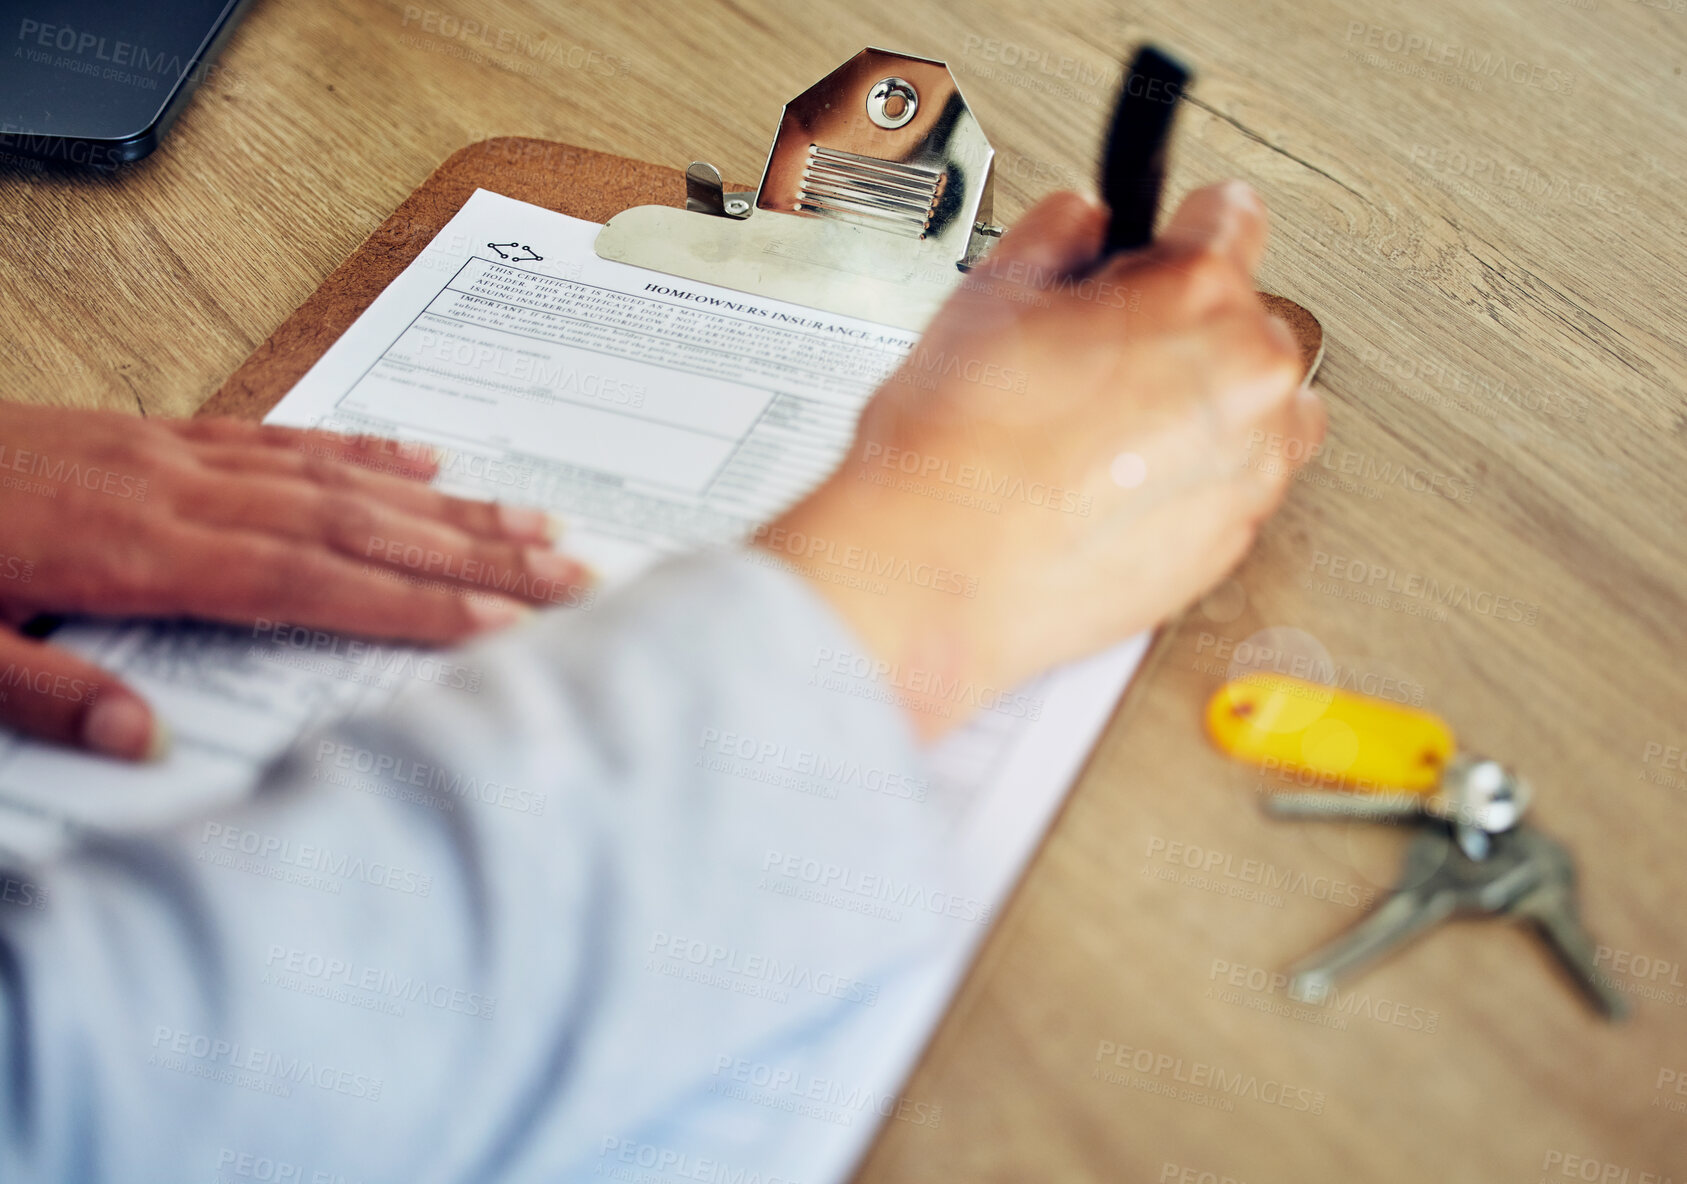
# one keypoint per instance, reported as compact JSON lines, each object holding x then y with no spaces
{"x":860,"y":549}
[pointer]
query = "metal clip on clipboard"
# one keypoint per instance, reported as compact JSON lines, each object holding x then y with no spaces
{"x":875,"y":196}
{"x":875,"y":200}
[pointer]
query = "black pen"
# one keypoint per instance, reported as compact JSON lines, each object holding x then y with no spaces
{"x":1134,"y":166}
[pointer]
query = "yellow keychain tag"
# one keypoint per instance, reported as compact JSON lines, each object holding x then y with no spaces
{"x":1341,"y":738}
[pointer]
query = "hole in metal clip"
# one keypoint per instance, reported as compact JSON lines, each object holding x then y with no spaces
{"x":1243,"y":709}
{"x":1430,"y":758}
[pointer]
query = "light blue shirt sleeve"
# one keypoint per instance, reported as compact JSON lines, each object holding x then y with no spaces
{"x":631,"y":904}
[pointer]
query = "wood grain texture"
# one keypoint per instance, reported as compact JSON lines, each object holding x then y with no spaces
{"x":1481,"y":201}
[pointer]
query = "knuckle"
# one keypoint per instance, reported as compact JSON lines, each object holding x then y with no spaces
{"x":1207,"y":268}
{"x":480,"y":518}
{"x":318,"y":467}
{"x":145,"y":451}
{"x":132,"y":572}
{"x":1280,"y":347}
{"x":346,"y":521}
{"x":189,"y":494}
{"x":271,"y":581}
{"x":1273,"y":353}
{"x":1200,"y":279}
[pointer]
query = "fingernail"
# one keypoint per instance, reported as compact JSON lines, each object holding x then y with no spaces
{"x":526,"y":522}
{"x":121,"y":725}
{"x":490,"y":612}
{"x":1238,"y":194}
{"x":559,"y":569}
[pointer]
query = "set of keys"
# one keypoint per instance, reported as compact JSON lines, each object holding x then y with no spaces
{"x":1473,"y":853}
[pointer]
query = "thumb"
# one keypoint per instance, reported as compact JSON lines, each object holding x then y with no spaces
{"x":1059,"y":235}
{"x":51,"y":694}
{"x":1228,"y":218}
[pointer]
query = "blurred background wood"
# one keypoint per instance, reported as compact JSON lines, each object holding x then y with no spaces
{"x":1482,"y":201}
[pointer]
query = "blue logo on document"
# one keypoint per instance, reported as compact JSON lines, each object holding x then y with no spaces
{"x":516,"y":253}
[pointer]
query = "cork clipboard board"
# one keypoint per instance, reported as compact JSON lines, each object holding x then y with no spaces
{"x":574,"y":181}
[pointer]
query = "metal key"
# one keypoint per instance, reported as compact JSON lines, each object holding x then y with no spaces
{"x":1439,"y":881}
{"x":1555,"y":913}
{"x":1481,"y":797}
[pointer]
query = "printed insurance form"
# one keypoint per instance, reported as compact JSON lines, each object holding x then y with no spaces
{"x":653,"y":415}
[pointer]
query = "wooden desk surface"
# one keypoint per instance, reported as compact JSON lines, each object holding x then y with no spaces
{"x":1481,"y":200}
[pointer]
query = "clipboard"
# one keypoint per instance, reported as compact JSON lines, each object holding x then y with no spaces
{"x":875,"y":200}
{"x":670,"y":219}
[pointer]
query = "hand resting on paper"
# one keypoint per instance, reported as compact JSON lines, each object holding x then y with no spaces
{"x":230,"y":521}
